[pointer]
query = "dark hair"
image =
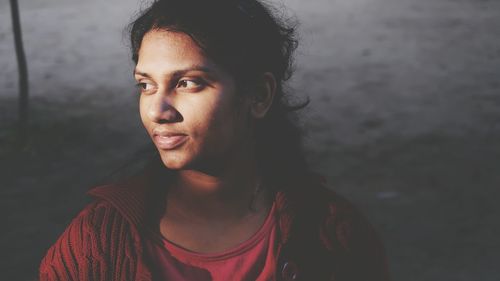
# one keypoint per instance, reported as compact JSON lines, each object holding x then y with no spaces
{"x":247,"y":39}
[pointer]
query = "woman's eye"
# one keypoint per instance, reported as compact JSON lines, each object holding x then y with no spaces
{"x":144,"y":86}
{"x":190,"y":84}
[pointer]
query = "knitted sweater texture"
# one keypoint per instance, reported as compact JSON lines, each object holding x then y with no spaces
{"x":321,"y":238}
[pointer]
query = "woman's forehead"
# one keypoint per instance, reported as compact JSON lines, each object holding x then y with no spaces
{"x":169,"y":54}
{"x":171,"y":51}
{"x":163,"y":42}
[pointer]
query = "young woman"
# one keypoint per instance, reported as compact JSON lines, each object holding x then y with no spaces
{"x":231,"y":196}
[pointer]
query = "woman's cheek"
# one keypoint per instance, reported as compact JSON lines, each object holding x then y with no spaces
{"x":142,"y":110}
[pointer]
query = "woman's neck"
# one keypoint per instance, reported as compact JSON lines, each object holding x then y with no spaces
{"x":202,"y":196}
{"x":209,"y":213}
{"x":232,"y":194}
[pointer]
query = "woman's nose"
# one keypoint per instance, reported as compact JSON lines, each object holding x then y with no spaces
{"x":162,"y":110}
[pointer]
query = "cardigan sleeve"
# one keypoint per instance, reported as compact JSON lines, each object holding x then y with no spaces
{"x":97,"y":245}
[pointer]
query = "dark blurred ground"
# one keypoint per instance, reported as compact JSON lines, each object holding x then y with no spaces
{"x":404,"y":121}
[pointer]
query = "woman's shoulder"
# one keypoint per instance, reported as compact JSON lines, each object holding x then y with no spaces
{"x":346,"y":230}
{"x":98,"y":234}
{"x":340,"y":217}
{"x":340,"y":221}
{"x":349,"y":244}
{"x":318,"y":198}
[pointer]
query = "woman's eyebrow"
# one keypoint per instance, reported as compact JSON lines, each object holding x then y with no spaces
{"x":179,"y":72}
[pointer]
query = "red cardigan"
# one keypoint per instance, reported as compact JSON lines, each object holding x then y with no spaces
{"x":321,"y":237}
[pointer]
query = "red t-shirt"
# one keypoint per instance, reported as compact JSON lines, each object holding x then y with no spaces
{"x":252,"y":260}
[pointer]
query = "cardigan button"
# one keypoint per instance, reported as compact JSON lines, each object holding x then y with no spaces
{"x":290,"y":271}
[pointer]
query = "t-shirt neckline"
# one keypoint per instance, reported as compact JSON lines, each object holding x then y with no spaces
{"x":264,"y":230}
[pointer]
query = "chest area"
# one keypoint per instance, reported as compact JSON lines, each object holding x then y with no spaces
{"x":253,"y":259}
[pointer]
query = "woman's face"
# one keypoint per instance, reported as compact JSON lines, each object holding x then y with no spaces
{"x":188,"y":104}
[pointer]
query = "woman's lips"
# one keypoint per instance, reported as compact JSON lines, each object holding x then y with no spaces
{"x":170,"y":141}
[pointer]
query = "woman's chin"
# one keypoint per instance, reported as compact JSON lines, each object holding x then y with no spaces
{"x":172,"y":161}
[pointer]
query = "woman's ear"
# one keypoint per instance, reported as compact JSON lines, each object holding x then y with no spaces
{"x":263,"y":97}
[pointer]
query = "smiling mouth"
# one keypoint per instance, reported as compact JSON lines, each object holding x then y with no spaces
{"x":169,"y":142}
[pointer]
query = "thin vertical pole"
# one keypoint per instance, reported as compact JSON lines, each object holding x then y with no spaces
{"x":22,"y":67}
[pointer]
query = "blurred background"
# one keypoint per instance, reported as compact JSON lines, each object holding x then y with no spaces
{"x":404,"y":120}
